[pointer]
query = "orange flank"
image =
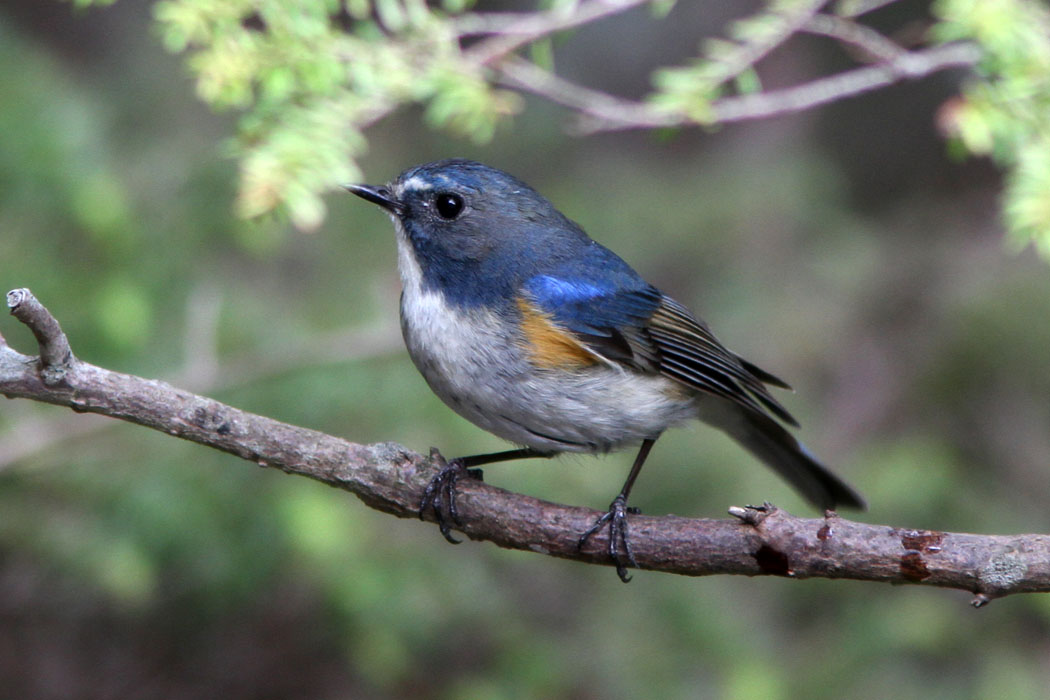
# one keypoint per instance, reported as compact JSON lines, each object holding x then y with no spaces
{"x":548,"y":345}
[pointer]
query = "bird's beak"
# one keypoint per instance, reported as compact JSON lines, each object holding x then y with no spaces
{"x":377,"y":195}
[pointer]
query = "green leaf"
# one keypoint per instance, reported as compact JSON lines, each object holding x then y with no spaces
{"x":748,"y":82}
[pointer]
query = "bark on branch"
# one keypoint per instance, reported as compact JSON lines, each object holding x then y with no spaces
{"x":758,"y":541}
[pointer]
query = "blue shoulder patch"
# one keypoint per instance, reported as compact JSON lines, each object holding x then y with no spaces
{"x":553,"y":291}
{"x":596,"y":295}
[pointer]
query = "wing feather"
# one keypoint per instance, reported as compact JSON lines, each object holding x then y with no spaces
{"x":624,"y":320}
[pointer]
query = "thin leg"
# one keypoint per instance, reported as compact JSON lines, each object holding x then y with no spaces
{"x":440,"y":494}
{"x":616,"y":517}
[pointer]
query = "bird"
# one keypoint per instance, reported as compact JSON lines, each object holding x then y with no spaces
{"x":530,"y":329}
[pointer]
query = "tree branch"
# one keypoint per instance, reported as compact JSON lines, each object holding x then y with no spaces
{"x":846,"y":31}
{"x":747,"y":53}
{"x":856,"y":8}
{"x":514,"y":30}
{"x":36,"y":433}
{"x":760,"y":541}
{"x":600,"y":112}
{"x":906,"y":65}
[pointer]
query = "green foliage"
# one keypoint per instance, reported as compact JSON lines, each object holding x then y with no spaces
{"x":309,"y":76}
{"x":308,"y":86}
{"x":1004,"y":108}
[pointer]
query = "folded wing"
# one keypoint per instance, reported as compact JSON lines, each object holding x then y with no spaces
{"x":626,"y":321}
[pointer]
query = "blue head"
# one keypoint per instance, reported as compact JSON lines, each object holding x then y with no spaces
{"x":476,"y":233}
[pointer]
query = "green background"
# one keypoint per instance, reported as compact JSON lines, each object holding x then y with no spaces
{"x":840,"y":249}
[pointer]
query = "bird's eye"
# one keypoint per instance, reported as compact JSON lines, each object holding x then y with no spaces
{"x":448,"y":205}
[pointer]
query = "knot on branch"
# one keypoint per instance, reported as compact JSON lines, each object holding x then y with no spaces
{"x":753,"y":515}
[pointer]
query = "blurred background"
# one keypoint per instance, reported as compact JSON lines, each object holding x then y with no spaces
{"x":841,"y":249}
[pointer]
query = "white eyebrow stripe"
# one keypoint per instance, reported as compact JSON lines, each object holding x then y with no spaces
{"x":415,"y":183}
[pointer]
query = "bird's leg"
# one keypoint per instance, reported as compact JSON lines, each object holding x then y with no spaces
{"x":440,"y":494}
{"x":616,"y":517}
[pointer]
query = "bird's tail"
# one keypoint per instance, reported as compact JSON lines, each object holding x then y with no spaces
{"x":763,"y":437}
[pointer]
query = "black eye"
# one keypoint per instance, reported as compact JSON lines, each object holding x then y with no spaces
{"x":448,"y":205}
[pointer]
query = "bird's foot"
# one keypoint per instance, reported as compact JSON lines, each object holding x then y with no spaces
{"x":619,"y":541}
{"x":440,"y":494}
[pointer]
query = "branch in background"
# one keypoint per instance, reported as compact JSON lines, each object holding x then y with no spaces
{"x":856,"y":8}
{"x":301,"y":137}
{"x":512,"y":31}
{"x":749,"y":52}
{"x":760,"y":541}
{"x":908,"y":65}
{"x":594,"y":106}
{"x":871,"y":42}
{"x":599,"y":111}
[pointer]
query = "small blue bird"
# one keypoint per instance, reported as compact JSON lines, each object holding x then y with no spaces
{"x":531,"y":330}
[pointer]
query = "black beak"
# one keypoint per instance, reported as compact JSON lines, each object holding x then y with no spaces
{"x":377,"y":195}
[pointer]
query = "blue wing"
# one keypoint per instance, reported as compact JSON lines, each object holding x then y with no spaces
{"x":601,"y":315}
{"x":619,"y":317}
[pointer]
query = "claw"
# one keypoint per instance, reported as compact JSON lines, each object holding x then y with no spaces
{"x":616,"y":517}
{"x":440,"y":494}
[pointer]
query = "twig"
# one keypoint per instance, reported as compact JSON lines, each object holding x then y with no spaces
{"x":747,"y":54}
{"x":907,"y":65}
{"x":871,"y":42}
{"x":596,"y":106}
{"x":760,"y":541}
{"x":55,"y":354}
{"x":856,"y":8}
{"x":34,"y":434}
{"x":600,"y":112}
{"x":530,"y":27}
{"x":511,"y":36}
{"x":201,"y":337}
